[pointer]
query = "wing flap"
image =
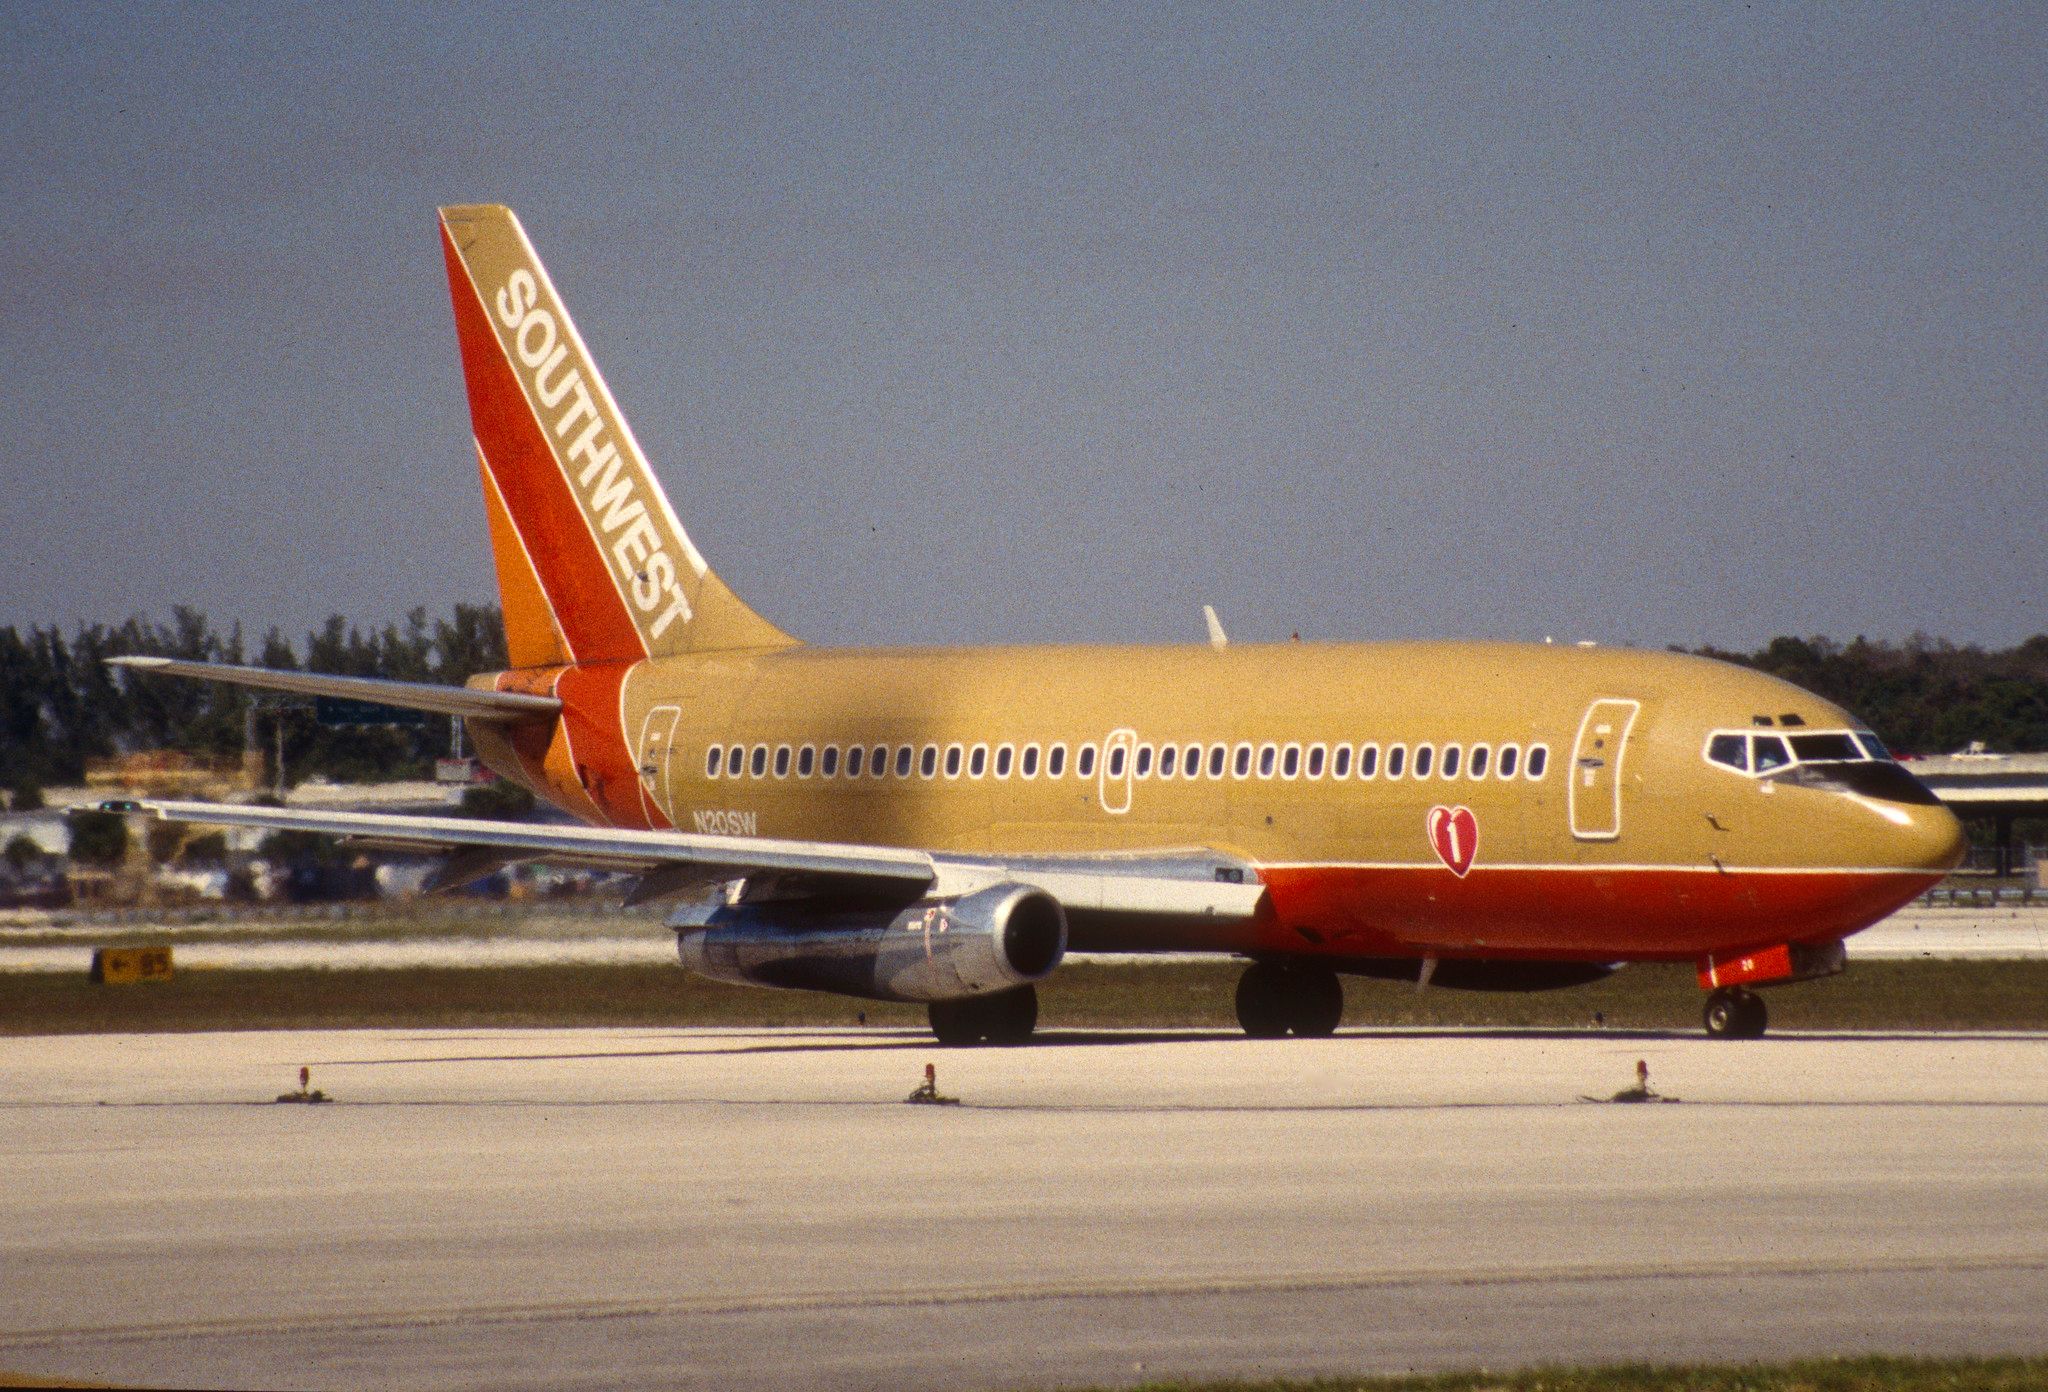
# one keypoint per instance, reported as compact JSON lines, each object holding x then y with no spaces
{"x":598,"y":847}
{"x":1192,"y":883}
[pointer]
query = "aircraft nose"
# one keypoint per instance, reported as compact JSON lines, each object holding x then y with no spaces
{"x":1932,"y":839}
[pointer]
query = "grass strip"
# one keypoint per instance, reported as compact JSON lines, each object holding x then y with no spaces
{"x":1811,"y":1375}
{"x":1944,"y":995}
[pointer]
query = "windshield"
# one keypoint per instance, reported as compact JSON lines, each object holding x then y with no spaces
{"x":1758,"y":751}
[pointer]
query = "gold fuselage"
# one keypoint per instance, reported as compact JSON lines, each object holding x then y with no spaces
{"x":1656,"y":852}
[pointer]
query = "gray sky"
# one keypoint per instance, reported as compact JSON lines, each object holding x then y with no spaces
{"x":1687,"y":325}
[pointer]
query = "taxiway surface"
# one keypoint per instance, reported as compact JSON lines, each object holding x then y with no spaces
{"x":731,"y":1209}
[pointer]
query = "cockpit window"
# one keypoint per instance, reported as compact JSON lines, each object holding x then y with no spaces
{"x":1819,"y":748}
{"x":1732,"y":750}
{"x":1768,"y":752}
{"x":1755,"y":752}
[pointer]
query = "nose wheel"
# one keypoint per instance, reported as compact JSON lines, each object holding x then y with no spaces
{"x":1274,"y":1000}
{"x":1733,"y":1013}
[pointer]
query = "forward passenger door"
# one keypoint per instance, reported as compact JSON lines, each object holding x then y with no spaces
{"x":1594,"y":794}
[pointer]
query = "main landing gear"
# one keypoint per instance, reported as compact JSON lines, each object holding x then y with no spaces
{"x":1733,"y":1013}
{"x":1276,"y":999}
{"x":1007,"y":1017}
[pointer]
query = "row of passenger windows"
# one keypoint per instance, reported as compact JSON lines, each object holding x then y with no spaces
{"x":1289,"y":761}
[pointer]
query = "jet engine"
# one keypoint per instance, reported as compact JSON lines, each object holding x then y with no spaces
{"x":995,"y":939}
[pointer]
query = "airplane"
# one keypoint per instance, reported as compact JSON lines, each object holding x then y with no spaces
{"x":943,"y":825}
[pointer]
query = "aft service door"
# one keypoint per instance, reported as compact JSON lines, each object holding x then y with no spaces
{"x":1595,"y":796}
{"x":657,"y":733}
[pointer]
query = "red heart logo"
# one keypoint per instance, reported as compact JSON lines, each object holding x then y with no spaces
{"x":1454,"y":831}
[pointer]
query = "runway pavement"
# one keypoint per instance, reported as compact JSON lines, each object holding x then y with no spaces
{"x":761,"y":1209}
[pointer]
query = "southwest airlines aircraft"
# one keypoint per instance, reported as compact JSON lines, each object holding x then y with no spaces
{"x":942,"y":825}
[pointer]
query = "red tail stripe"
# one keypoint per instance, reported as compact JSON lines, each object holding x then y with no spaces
{"x":572,"y":570}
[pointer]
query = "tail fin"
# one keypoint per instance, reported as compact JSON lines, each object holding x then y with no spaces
{"x":592,"y":564}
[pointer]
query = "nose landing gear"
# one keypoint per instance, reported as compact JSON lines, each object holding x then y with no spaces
{"x":1733,"y":1013}
{"x":1276,"y":999}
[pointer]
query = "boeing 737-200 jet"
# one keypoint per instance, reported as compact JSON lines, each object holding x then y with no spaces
{"x":942,"y":825}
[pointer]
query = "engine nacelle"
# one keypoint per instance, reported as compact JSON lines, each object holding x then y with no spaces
{"x":937,"y":949}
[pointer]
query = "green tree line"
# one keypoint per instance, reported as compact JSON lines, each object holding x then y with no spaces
{"x":1923,"y":696}
{"x":61,"y":704}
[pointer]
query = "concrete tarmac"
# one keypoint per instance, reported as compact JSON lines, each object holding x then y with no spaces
{"x":731,"y":1209}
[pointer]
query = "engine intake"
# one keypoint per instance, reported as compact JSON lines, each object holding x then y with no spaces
{"x":995,"y":939}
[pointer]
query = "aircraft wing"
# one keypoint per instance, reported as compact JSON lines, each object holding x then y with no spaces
{"x":1177,"y":882}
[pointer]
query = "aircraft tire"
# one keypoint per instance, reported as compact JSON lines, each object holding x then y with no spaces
{"x":1315,"y":1002}
{"x":1264,"y":1000}
{"x":1756,"y":1017}
{"x":955,"y":1023}
{"x":1007,"y":1017}
{"x":1013,"y":1015}
{"x":1733,"y":1013}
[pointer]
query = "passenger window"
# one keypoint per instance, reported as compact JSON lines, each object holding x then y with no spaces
{"x":1084,"y":762}
{"x":1290,"y":761}
{"x":1397,"y":760}
{"x":1539,"y":760}
{"x":1217,"y":755}
{"x":735,"y":757}
{"x":1056,"y":761}
{"x":1316,"y":755}
{"x":1732,"y":750}
{"x":1369,"y":762}
{"x":1267,"y":754}
{"x":806,"y":760}
{"x":828,"y":761}
{"x":713,"y":757}
{"x":1191,"y":761}
{"x":1116,"y":761}
{"x":1144,"y":761}
{"x":1029,"y":766}
{"x":952,"y":761}
{"x":928,"y":762}
{"x":758,"y":766}
{"x":1510,"y":755}
{"x":977,"y":761}
{"x":1476,"y":766}
{"x":853,"y":754}
{"x":1768,"y":752}
{"x":903,"y":758}
{"x":878,"y":762}
{"x":1340,"y":763}
{"x":1241,"y":766}
{"x":1169,"y":759}
{"x":1006,"y":757}
{"x":782,"y":761}
{"x":1452,"y":755}
{"x":1425,"y":757}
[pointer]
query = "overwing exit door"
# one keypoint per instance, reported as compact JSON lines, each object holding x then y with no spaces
{"x":1119,"y":751}
{"x":1595,"y":793}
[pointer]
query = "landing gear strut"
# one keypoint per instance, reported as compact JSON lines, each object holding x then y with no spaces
{"x":1007,"y":1017}
{"x":1733,"y":1013}
{"x":1274,"y":1000}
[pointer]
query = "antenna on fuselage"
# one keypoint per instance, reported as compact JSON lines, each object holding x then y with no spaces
{"x":1218,"y":639}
